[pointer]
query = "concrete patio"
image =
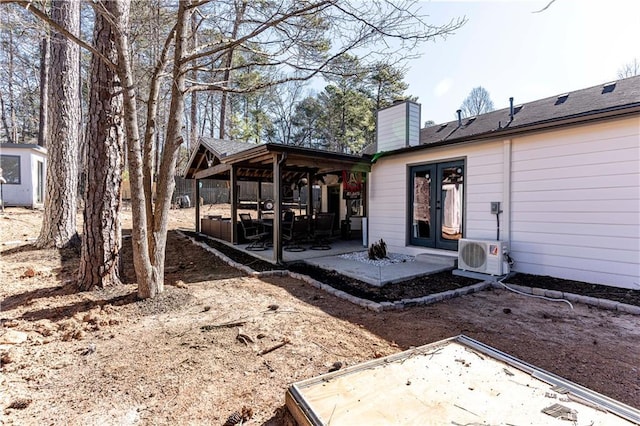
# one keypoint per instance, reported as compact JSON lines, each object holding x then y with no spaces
{"x":375,"y":275}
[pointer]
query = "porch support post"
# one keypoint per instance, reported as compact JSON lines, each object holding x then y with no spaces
{"x":364,"y":194}
{"x":258,"y":208}
{"x":277,"y":209}
{"x":309,"y":195}
{"x":197,"y":201}
{"x":233,"y":195}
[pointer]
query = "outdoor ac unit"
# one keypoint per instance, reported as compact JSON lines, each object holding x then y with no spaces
{"x":487,"y":257}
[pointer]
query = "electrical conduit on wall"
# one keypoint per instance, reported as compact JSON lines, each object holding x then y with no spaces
{"x":506,"y":192}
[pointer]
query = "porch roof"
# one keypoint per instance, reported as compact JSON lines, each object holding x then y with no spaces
{"x":214,"y":157}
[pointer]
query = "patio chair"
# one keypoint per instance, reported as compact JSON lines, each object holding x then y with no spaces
{"x":287,"y":218}
{"x":295,"y":233}
{"x":322,"y":231}
{"x":253,"y":233}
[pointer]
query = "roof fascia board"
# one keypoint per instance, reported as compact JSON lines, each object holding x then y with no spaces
{"x":30,"y":146}
{"x":293,"y":150}
{"x":192,"y":158}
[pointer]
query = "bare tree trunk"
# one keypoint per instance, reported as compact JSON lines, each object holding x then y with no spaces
{"x":151,"y":132}
{"x":173,"y":140}
{"x":59,"y":224}
{"x":229,"y":62}
{"x":102,"y":236}
{"x":44,"y":88}
{"x":12,"y":106}
{"x":142,"y":264}
{"x":193,"y":116}
{"x":5,"y":124}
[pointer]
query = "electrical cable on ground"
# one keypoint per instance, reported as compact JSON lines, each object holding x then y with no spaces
{"x":533,"y":295}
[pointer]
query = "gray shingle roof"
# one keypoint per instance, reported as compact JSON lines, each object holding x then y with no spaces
{"x":616,"y":95}
{"x":224,"y":147}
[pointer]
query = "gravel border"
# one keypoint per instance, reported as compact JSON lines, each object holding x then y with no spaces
{"x":424,"y":300}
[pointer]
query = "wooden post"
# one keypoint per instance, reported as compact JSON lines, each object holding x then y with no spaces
{"x":277,"y":209}
{"x":258,"y":207}
{"x":309,"y":195}
{"x":233,"y":195}
{"x":364,"y":193}
{"x":197,"y":201}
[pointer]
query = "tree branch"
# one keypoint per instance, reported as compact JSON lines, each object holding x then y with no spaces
{"x":28,"y":5}
{"x":263,"y":26}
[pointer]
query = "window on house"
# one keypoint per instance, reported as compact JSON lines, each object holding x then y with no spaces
{"x":10,"y":165}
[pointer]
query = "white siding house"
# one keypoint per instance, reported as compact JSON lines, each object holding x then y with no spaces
{"x":566,"y":172}
{"x":24,"y":167}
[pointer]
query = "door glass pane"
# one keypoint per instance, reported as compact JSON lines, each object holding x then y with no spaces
{"x":451,"y":199}
{"x":421,"y":204}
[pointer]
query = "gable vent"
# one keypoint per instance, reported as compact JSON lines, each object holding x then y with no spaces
{"x":561,"y":99}
{"x":609,"y":87}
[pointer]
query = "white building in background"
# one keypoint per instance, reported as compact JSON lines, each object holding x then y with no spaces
{"x":24,"y":169}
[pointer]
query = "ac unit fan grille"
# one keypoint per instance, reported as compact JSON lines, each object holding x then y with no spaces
{"x":474,"y":255}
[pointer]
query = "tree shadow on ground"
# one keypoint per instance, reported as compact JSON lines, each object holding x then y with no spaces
{"x":65,"y":274}
{"x":11,"y":302}
{"x":19,"y":249}
{"x":59,"y":313}
{"x":189,"y":264}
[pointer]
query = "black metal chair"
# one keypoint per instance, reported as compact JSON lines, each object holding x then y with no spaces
{"x":295,"y":233}
{"x":253,"y":233}
{"x":322,"y":231}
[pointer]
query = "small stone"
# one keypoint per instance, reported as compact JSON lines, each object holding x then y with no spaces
{"x":44,"y":329}
{"x":89,"y":350}
{"x":20,"y":403}
{"x":29,"y":273}
{"x":335,"y":366}
{"x":13,"y":337}
{"x":6,"y":358}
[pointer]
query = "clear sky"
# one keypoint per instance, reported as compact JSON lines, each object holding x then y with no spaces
{"x":511,"y":51}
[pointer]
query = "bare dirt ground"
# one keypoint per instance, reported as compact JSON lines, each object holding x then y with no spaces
{"x":104,"y":357}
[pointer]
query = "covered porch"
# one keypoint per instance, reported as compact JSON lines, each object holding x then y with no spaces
{"x":340,"y":177}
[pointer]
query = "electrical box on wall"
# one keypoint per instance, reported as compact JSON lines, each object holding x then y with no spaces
{"x":495,"y":207}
